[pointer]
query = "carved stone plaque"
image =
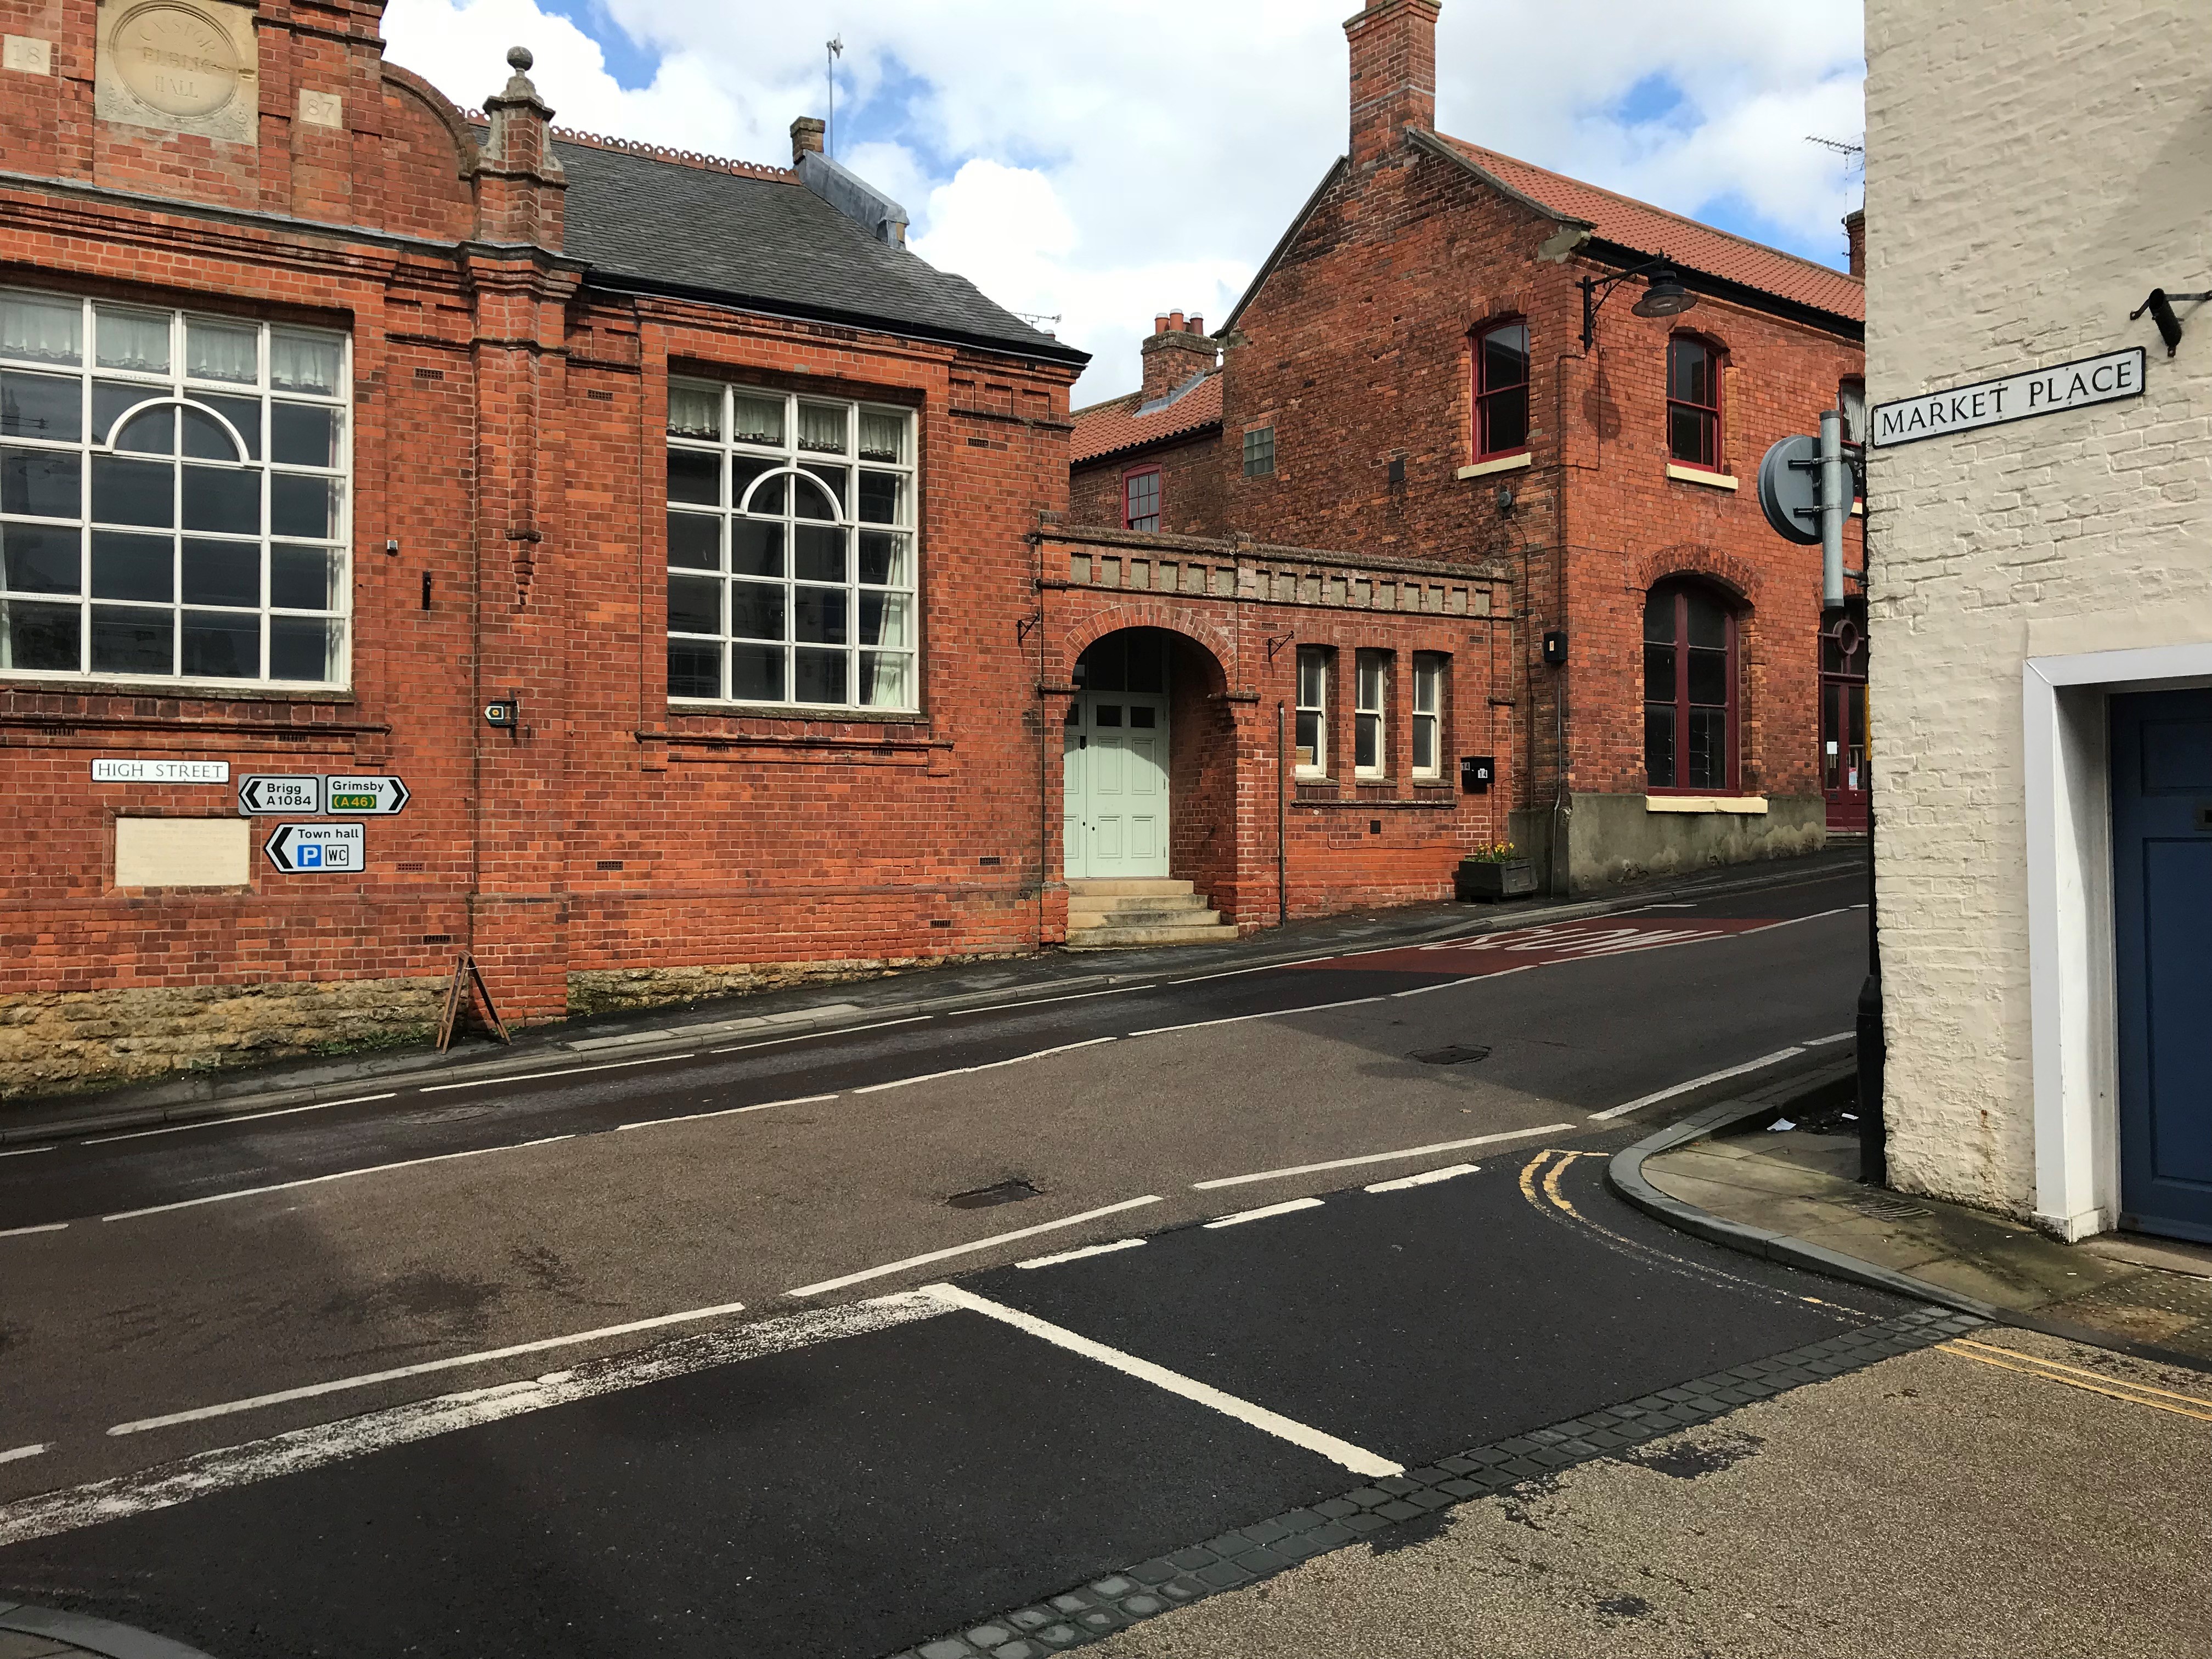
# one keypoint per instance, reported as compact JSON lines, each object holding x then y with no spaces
{"x":181,"y":66}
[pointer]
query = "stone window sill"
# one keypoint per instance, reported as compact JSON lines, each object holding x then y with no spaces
{"x":1698,"y":475}
{"x":1501,"y":463}
{"x":1740,"y":806}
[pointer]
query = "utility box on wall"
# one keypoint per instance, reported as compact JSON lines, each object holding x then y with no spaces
{"x":1476,"y":774}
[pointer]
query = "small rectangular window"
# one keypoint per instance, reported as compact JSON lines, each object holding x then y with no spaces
{"x":1372,"y":673}
{"x":1140,"y":499}
{"x":1313,"y":711}
{"x":1258,"y":452}
{"x":1501,"y":391}
{"x":1428,"y":715}
{"x":1693,"y":402}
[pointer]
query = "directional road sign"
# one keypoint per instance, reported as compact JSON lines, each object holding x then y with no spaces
{"x":363,"y":796}
{"x":315,"y":849}
{"x":260,"y":794}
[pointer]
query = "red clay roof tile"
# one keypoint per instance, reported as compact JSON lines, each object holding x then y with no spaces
{"x":1108,"y":428}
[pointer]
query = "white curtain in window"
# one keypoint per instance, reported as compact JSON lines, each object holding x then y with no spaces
{"x":223,"y":351}
{"x":759,"y":420}
{"x":695,"y":411}
{"x":883,"y":678}
{"x":821,"y":428}
{"x":883,"y":437}
{"x":303,"y":362}
{"x":129,"y":339}
{"x":48,"y":330}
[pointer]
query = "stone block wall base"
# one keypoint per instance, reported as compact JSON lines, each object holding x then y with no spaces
{"x":1612,"y":839}
{"x":610,"y":990}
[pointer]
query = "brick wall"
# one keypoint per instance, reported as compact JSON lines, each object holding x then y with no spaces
{"x":1193,"y":489}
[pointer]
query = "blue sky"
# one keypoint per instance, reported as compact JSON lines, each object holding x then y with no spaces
{"x":1107,"y":161}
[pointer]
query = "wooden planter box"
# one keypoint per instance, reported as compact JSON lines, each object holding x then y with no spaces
{"x":1491,"y":882}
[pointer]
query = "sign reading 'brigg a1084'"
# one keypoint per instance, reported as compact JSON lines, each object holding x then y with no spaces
{"x":2105,"y":379}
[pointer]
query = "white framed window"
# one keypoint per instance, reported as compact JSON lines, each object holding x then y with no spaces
{"x":173,"y":497}
{"x":791,"y":549}
{"x":1371,"y":680}
{"x":1313,"y":711}
{"x":1428,"y":715}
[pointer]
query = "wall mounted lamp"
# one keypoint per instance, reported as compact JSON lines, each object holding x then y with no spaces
{"x":2160,"y":306}
{"x":1663,"y":296}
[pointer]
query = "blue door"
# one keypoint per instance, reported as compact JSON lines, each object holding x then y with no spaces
{"x":2162,"y":904}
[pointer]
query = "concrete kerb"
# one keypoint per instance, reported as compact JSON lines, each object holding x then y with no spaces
{"x":78,"y":1633}
{"x":201,"y":1099}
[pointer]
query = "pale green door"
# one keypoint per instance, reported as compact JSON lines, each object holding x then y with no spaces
{"x":1115,"y":768}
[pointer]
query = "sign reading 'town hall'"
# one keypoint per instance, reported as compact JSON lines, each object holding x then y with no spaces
{"x":2108,"y":378}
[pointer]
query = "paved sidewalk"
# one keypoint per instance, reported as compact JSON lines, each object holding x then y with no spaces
{"x":28,"y":1632}
{"x":833,"y":1005}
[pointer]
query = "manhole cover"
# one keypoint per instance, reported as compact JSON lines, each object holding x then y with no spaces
{"x":1006,"y":1192}
{"x":1460,"y":1054}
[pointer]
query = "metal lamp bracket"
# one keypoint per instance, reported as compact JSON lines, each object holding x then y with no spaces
{"x":2160,"y":306}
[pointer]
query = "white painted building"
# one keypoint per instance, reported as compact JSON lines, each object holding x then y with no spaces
{"x":2042,"y":606}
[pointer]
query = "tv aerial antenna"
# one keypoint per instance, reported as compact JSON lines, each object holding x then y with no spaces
{"x":836,"y":49}
{"x":1854,"y":154}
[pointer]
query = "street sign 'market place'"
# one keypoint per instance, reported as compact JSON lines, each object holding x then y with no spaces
{"x":2105,"y":379}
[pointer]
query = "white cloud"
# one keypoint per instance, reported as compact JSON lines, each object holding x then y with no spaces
{"x":1109,"y":161}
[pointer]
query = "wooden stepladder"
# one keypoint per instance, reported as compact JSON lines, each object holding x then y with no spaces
{"x":466,"y":975}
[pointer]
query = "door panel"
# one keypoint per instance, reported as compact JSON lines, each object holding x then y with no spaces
{"x":1115,"y":756}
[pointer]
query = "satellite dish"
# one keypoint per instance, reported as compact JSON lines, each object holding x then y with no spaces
{"x":1790,"y":490}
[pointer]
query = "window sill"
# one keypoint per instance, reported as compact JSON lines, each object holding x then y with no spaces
{"x":830,"y":713}
{"x":1499,"y":464}
{"x":210,"y":691}
{"x":1698,"y":475}
{"x":1738,"y":806}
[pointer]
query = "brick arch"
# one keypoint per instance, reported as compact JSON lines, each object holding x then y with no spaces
{"x":1741,"y":577}
{"x":1081,"y":636}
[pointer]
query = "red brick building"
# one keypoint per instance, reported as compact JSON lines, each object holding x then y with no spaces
{"x":1408,"y":376}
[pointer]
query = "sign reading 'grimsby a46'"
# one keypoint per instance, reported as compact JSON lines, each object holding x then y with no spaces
{"x":2105,"y":379}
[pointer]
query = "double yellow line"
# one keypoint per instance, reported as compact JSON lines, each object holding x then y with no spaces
{"x":2073,"y":1376}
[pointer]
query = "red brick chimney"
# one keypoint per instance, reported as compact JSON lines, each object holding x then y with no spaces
{"x":1855,"y":230}
{"x":1393,"y":75}
{"x":806,"y":133}
{"x":1177,"y":349}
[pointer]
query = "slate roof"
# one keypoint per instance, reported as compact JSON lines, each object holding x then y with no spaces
{"x":1110,"y":428}
{"x":767,"y":242}
{"x":1694,"y":246}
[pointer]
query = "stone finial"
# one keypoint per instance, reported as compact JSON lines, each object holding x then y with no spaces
{"x":518,"y":85}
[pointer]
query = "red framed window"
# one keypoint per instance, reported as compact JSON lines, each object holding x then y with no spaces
{"x":1851,"y":399}
{"x":1501,"y":390}
{"x":1693,"y":402}
{"x":1689,"y":689}
{"x":1140,"y":499}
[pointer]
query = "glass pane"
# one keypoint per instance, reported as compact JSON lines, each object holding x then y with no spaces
{"x":133,"y":340}
{"x":223,"y":645}
{"x":758,"y":490}
{"x":304,"y":362}
{"x":302,"y":506}
{"x":1505,"y":420}
{"x":133,"y":641}
{"x":1313,"y":676}
{"x":45,"y":483}
{"x":820,"y":677}
{"x":695,"y":604}
{"x":303,"y":579}
{"x":1708,"y":678}
{"x":133,"y":567}
{"x":153,"y":432}
{"x":1852,"y":402}
{"x":229,"y":502}
{"x":222,"y":573}
{"x":758,"y":611}
{"x":1148,"y":659}
{"x":881,"y":493}
{"x":1370,"y":682}
{"x":883,"y":619}
{"x":1689,"y":437}
{"x":1308,"y":739}
{"x":883,"y":679}
{"x":41,"y":330}
{"x":1105,"y":666}
{"x":882,"y":559}
{"x":1708,"y":619}
{"x":134,"y":492}
{"x":1425,"y":744}
{"x":223,"y":351}
{"x":1367,"y":742}
{"x":818,"y":497}
{"x":755,"y":549}
{"x":694,"y":541}
{"x":1708,"y":758}
{"x":111,"y":398}
{"x":1659,"y":746}
{"x":1143,"y":717}
{"x":694,"y":669}
{"x":42,"y":406}
{"x":821,"y":428}
{"x":305,"y":648}
{"x":694,"y":411}
{"x":35,"y":561}
{"x":695,"y":476}
{"x":300,"y":435}
{"x":1659,"y":617}
{"x":1689,"y":372}
{"x":819,"y":554}
{"x":819,"y":614}
{"x":1428,"y":685}
{"x":883,"y":437}
{"x":1832,"y":739}
{"x":38,"y":637}
{"x":759,"y":421}
{"x":1505,"y":358}
{"x":757,"y":673}
{"x":1659,"y":673}
{"x":1106,"y":715}
{"x":207,"y":439}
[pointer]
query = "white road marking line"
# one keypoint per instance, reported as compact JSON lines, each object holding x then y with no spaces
{"x":1821,"y":1043}
{"x":1450,"y":984}
{"x":244,"y":1117}
{"x":1239,"y":1019}
{"x":827,"y":1285}
{"x":1426,"y":1178}
{"x":24,"y":1151}
{"x":1638,"y":1104}
{"x":18,"y":1453}
{"x":1039,"y":1002}
{"x":1243,"y":1216}
{"x":1358,"y":1459}
{"x":317,"y":1181}
{"x":50,"y":1227}
{"x":1078,"y":1255}
{"x":540,"y":1077}
{"x":728,"y":1111}
{"x":222,"y":1470}
{"x":370,"y":1379}
{"x":808,"y":1036}
{"x":988,"y":1066}
{"x":1791,"y":921}
{"x":1265,"y":967}
{"x":1685,"y":905}
{"x":1380,"y":1158}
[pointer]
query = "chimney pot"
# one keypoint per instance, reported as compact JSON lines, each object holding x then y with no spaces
{"x":1198,"y":325}
{"x":1160,"y":324}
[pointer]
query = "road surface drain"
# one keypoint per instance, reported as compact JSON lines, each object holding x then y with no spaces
{"x":1457,"y":1055}
{"x":1887,"y":1209}
{"x":1006,"y":1192}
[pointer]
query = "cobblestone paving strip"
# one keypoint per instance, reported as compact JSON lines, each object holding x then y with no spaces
{"x":1091,"y":1611}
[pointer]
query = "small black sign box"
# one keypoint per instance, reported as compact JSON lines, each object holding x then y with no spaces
{"x":1475,"y":772}
{"x":499,"y":713}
